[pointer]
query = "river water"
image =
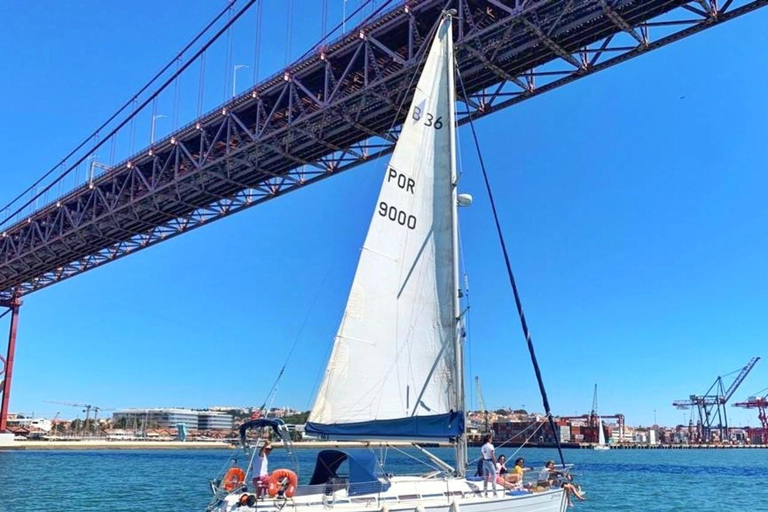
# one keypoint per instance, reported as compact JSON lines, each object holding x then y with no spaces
{"x":177,"y":480}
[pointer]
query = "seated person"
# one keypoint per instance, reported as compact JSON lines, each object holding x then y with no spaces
{"x":516,"y":477}
{"x":548,"y":478}
{"x":502,"y":473}
{"x":547,"y":475}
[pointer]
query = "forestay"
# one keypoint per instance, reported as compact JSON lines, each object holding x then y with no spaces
{"x":393,"y":372}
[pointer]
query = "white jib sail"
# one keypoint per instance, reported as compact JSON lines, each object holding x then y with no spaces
{"x":394,"y":354}
{"x":600,"y":433}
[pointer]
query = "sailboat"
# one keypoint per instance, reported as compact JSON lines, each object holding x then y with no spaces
{"x":600,"y":428}
{"x":396,"y":369}
{"x":600,"y":436}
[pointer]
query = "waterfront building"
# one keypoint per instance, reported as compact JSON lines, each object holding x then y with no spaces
{"x":30,"y":423}
{"x":213,"y":420}
{"x":617,"y":436}
{"x":171,"y":417}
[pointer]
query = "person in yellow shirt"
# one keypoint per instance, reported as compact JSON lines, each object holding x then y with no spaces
{"x":518,"y":471}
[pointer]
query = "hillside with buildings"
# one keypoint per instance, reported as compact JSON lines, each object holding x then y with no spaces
{"x":509,"y":427}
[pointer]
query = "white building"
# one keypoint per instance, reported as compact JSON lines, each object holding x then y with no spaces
{"x":627,"y":437}
{"x":40,"y":423}
{"x":172,"y":417}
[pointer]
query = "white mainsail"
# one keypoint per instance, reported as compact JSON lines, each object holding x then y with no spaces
{"x":393,"y":371}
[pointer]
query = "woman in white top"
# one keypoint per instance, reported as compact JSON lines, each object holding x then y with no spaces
{"x":489,"y":464}
{"x":501,"y":473}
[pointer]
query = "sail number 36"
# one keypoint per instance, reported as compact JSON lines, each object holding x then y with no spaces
{"x":395,"y":215}
{"x":429,"y":118}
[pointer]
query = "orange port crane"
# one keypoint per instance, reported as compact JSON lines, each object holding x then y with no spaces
{"x":711,"y":405}
{"x":761,"y":404}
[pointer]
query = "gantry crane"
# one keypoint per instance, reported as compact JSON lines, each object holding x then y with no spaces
{"x":481,"y":402}
{"x":593,"y":414}
{"x":711,"y":405}
{"x":592,"y":422}
{"x":761,"y":404}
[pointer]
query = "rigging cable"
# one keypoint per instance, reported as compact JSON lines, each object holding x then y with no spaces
{"x":538,"y":426}
{"x":512,"y":281}
{"x":273,"y":389}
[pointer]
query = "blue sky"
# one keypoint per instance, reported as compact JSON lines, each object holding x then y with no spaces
{"x":633,"y":202}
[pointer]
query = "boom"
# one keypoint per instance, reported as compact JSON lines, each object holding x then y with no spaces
{"x":740,"y":378}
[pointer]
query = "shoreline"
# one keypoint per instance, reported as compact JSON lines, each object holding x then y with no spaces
{"x":102,"y":444}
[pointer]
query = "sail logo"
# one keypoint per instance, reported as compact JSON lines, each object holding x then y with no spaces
{"x":402,"y":181}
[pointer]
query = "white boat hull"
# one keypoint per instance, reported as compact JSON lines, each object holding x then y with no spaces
{"x":408,"y":494}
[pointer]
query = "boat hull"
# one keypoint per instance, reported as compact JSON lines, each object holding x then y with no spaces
{"x":425,"y":495}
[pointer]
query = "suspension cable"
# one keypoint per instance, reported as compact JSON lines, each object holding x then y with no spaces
{"x":111,"y":118}
{"x":512,"y":281}
{"x":257,"y":49}
{"x":133,"y":100}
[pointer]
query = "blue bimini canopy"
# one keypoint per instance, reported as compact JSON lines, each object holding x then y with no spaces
{"x":274,"y":424}
{"x":365,"y":473}
{"x":438,"y":426}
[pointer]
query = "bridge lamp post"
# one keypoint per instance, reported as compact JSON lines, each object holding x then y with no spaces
{"x":234,"y":77}
{"x":152,"y":131}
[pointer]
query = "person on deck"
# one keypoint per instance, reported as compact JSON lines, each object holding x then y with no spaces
{"x":547,"y":478}
{"x":261,"y":470}
{"x":502,"y":473}
{"x":518,"y":471}
{"x":489,"y":464}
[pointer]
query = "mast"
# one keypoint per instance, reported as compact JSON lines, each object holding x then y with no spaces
{"x":461,"y":441}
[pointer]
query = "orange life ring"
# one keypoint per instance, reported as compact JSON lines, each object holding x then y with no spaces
{"x":234,"y":479}
{"x":275,"y":482}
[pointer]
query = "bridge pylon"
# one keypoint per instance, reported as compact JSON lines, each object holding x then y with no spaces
{"x":11,"y":306}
